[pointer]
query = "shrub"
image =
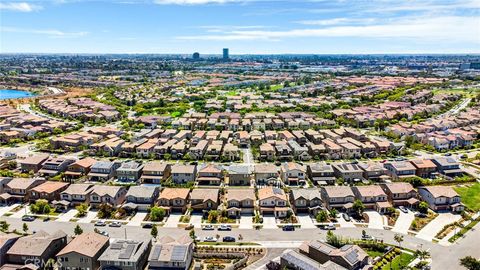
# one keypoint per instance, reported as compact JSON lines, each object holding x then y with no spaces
{"x":157,"y":213}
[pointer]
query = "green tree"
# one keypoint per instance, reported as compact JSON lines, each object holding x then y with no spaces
{"x":423,"y":207}
{"x":40,"y":207}
{"x":4,"y":226}
{"x":358,"y":207}
{"x":105,"y":210}
{"x":157,"y":213}
{"x":25,"y":227}
{"x":333,"y":213}
{"x":154,"y":231}
{"x":399,"y":239}
{"x":82,"y":209}
{"x":78,"y":230}
{"x":470,"y":263}
{"x":212,"y":216}
{"x":322,"y":216}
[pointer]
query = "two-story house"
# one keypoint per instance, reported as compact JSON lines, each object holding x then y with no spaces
{"x":372,"y":197}
{"x":113,"y":195}
{"x":240,"y":201}
{"x":103,"y":171}
{"x":204,"y":199}
{"x":155,"y":172}
{"x":239,"y":175}
{"x":293,"y":174}
{"x":400,"y":169}
{"x":174,"y":199}
{"x":273,"y":201}
{"x":76,"y":194}
{"x":266,"y":173}
{"x":83,"y":251}
{"x":210,"y":175}
{"x":129,"y":171}
{"x":306,"y":200}
{"x":18,"y":189}
{"x":441,"y":198}
{"x":321,"y":173}
{"x":183,"y":173}
{"x":448,"y":166}
{"x":55,"y":165}
{"x":401,"y":194}
{"x":143,"y":197}
{"x":338,"y":197}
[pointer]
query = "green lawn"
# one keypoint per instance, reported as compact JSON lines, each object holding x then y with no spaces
{"x":374,"y":253}
{"x":470,"y":196}
{"x":405,"y":258}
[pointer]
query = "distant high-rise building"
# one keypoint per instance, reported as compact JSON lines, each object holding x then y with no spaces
{"x":196,"y":56}
{"x":225,"y":54}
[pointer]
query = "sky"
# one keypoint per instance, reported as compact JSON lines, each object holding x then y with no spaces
{"x":243,"y":26}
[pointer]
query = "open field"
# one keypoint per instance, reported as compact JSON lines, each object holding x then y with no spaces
{"x":470,"y":195}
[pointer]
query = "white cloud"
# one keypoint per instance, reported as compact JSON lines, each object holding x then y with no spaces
{"x":431,"y":29}
{"x":19,"y":6}
{"x":47,"y":32}
{"x":337,"y":21}
{"x":192,"y":2}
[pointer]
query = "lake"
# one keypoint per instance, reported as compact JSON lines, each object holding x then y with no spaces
{"x":9,"y":94}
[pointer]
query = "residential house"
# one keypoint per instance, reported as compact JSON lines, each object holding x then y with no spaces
{"x":240,"y":201}
{"x":267,"y":152}
{"x":125,"y":254}
{"x":142,"y":197}
{"x":77,"y":194}
{"x":55,"y":165}
{"x":266,"y":173}
{"x":239,"y":175}
{"x":448,"y":166}
{"x":168,"y":253}
{"x":18,"y":189}
{"x":155,"y":172}
{"x":79,"y":168}
{"x":113,"y":195}
{"x":400,"y":169}
{"x":210,"y":175}
{"x":129,"y":171}
{"x":33,"y":163}
{"x":441,"y":198}
{"x":274,"y":201}
{"x":182,"y":174}
{"x":204,"y":199}
{"x":424,"y":168}
{"x":306,"y":200}
{"x":321,"y":173}
{"x":338,"y":197}
{"x":102,"y":171}
{"x":372,"y":170}
{"x":351,"y":257}
{"x":293,"y":174}
{"x":6,"y":242}
{"x":174,"y":199}
{"x":49,"y":190}
{"x":401,"y":194}
{"x":372,"y":197}
{"x":83,"y":251}
{"x":348,"y":171}
{"x":38,"y":248}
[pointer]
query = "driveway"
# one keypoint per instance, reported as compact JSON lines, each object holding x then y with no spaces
{"x":431,"y":229}
{"x":245,"y":222}
{"x":196,"y":220}
{"x":66,"y":217}
{"x":89,"y":217}
{"x":403,"y":222}
{"x":137,"y":219}
{"x":173,"y":220}
{"x":7,"y":208}
{"x":375,"y":220}
{"x":343,"y":223}
{"x":269,"y":222}
{"x":305,"y":221}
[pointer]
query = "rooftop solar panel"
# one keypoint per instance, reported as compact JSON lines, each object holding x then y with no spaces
{"x":178,"y":253}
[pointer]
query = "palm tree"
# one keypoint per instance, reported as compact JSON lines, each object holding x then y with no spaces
{"x":399,"y":239}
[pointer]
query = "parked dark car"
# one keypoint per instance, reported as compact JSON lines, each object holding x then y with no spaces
{"x":147,"y":226}
{"x":228,"y":239}
{"x":288,"y":228}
